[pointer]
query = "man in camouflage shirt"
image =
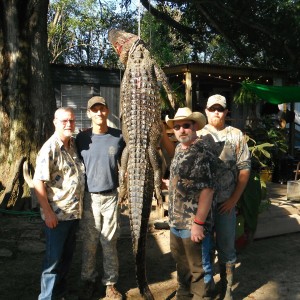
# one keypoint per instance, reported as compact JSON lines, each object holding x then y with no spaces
{"x":191,"y":189}
{"x":231,"y":147}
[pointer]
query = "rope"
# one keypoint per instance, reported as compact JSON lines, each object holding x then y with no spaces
{"x":139,"y":19}
{"x":150,"y":30}
{"x":139,"y":22}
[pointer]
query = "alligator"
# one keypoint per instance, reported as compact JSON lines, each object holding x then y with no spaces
{"x":140,"y":114}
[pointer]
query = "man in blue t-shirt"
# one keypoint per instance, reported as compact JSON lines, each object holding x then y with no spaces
{"x":100,"y":147}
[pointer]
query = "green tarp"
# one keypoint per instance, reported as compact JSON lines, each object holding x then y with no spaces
{"x":274,"y":94}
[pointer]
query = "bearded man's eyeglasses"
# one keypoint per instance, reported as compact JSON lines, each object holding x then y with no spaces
{"x":216,"y":108}
{"x":184,"y":126}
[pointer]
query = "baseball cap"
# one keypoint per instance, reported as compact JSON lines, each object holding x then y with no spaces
{"x":96,"y":100}
{"x":216,"y":99}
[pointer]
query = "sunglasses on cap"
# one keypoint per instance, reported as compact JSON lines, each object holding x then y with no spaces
{"x":184,"y":126}
{"x":216,"y":108}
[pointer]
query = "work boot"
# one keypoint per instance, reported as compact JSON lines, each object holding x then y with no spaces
{"x":87,"y":290}
{"x":113,"y":293}
{"x":183,"y":293}
{"x":226,"y":274}
{"x":209,"y":290}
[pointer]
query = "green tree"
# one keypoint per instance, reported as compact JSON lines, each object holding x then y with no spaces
{"x":256,"y":33}
{"x":77,"y":31}
{"x":163,"y":41}
{"x":27,"y":101}
{"x":27,"y":98}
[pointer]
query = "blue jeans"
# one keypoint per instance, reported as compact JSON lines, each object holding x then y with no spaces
{"x":225,"y":225}
{"x":181,"y":233}
{"x":60,"y":246}
{"x":207,"y":248}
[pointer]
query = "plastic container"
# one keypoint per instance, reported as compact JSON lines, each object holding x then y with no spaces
{"x":293,"y":191}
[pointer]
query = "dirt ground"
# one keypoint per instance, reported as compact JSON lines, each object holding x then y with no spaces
{"x":268,"y":269}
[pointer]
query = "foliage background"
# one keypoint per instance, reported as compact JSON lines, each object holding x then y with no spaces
{"x":257,"y":33}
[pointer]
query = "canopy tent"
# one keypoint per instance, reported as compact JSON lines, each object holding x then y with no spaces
{"x":275,"y":94}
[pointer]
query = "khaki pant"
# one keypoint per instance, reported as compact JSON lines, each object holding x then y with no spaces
{"x":100,"y":222}
{"x":187,"y":256}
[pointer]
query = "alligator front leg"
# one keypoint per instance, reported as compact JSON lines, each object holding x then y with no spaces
{"x":161,"y":76}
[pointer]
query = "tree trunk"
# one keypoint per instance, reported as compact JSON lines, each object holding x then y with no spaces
{"x":27,"y":97}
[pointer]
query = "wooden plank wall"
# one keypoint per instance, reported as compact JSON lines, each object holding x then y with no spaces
{"x":112,"y":96}
{"x":75,"y":85}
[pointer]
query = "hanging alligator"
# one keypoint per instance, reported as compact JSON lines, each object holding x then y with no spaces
{"x":140,"y":112}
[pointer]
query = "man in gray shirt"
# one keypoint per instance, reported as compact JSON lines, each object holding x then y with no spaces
{"x":100,"y":148}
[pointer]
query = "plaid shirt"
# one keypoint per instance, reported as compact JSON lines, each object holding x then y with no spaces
{"x":63,"y":174}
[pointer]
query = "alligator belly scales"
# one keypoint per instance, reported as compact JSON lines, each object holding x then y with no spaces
{"x":140,"y":172}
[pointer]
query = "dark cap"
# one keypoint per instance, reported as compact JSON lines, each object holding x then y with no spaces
{"x":96,"y":100}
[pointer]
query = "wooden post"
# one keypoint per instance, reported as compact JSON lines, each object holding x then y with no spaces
{"x":188,"y":89}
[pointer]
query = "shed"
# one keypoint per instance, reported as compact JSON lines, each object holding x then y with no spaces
{"x":74,"y":85}
{"x":198,"y":81}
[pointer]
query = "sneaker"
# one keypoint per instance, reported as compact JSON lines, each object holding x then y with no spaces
{"x":87,"y":290}
{"x":113,"y":293}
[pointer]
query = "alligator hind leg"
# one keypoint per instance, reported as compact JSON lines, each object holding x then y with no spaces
{"x":155,"y":161}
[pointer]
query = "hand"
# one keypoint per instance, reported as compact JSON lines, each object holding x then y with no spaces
{"x":163,"y":128}
{"x":165,"y":184}
{"x":197,"y":233}
{"x":51,"y":219}
{"x":227,"y":206}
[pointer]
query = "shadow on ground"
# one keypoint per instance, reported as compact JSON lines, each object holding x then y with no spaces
{"x":266,"y":269}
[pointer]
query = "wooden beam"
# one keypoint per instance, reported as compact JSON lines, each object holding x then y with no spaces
{"x":188,"y":89}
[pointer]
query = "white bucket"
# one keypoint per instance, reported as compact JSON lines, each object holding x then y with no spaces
{"x":293,"y":190}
